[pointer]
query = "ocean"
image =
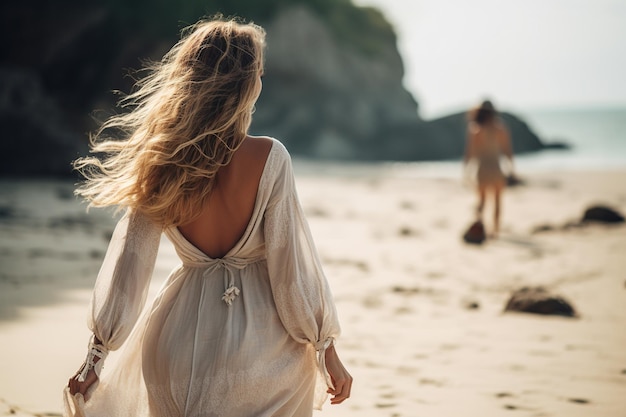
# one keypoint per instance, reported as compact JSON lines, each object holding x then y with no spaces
{"x":597,"y":136}
{"x":597,"y":139}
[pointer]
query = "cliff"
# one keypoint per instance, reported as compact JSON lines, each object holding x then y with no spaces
{"x":332,"y":86}
{"x":327,"y":99}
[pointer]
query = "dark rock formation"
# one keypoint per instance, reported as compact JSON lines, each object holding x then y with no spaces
{"x":538,"y":300}
{"x":36,"y":139}
{"x":558,"y":145}
{"x":444,"y":138}
{"x":59,"y":62}
{"x":602,"y":214}
{"x":332,"y":88}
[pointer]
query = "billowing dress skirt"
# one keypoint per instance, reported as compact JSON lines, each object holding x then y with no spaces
{"x":241,"y":335}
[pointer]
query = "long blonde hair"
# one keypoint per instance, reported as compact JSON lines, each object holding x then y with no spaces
{"x":188,"y":116}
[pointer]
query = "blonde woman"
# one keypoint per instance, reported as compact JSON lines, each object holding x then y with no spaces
{"x":487,"y":141}
{"x":246,"y":325}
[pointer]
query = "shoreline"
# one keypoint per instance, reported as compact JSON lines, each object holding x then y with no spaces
{"x":423,"y":327}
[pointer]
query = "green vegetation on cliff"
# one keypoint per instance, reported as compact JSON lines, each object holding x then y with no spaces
{"x":363,"y":28}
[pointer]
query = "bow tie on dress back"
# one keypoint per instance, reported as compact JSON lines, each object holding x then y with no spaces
{"x":229,"y":264}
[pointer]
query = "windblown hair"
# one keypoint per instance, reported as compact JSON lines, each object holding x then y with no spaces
{"x":483,"y":114}
{"x":187,"y":117}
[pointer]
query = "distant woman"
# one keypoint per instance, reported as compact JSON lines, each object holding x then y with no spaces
{"x":246,"y":325}
{"x":487,"y":141}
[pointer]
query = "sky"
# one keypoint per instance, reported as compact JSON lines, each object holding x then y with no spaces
{"x":522,"y":54}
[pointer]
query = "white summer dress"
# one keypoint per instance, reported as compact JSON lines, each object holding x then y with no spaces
{"x":230,"y":337}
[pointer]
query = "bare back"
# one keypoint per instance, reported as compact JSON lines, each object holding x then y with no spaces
{"x":228,"y":210}
{"x":486,"y":143}
{"x":487,"y":140}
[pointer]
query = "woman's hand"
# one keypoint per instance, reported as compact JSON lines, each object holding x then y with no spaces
{"x":342,"y":380}
{"x":97,"y":352}
{"x":76,"y":386}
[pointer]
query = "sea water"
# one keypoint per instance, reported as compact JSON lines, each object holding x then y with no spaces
{"x":597,"y":138}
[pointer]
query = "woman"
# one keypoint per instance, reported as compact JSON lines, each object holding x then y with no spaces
{"x":246,"y":325}
{"x":487,"y":140}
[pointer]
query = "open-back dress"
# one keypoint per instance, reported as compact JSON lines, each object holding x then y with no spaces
{"x":241,"y":335}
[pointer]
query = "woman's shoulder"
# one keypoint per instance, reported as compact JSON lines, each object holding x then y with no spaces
{"x":270,"y":145}
{"x":256,"y":143}
{"x":473,"y":128}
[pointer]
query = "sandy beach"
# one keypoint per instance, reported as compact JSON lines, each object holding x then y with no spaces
{"x":424,"y":333}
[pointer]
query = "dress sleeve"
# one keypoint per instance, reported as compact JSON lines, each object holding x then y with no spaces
{"x":301,"y":292}
{"x":122,"y":285}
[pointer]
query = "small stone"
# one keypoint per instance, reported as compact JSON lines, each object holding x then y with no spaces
{"x":471,"y":304}
{"x":602,"y":214}
{"x":475,"y":234}
{"x":579,"y":400}
{"x":539,"y":301}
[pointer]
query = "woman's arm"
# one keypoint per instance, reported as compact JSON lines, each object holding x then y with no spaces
{"x":301,"y":292}
{"x":470,"y":142}
{"x":119,"y":293}
{"x":504,"y":138}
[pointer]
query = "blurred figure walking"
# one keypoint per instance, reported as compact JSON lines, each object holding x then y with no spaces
{"x":488,"y":140}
